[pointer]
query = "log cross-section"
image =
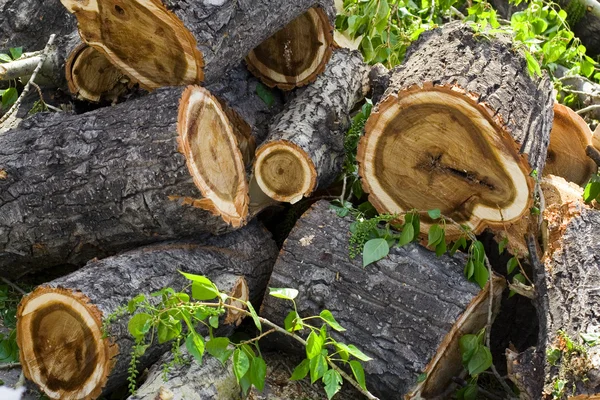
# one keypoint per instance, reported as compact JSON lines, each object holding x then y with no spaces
{"x":460,"y":128}
{"x":296,"y":54}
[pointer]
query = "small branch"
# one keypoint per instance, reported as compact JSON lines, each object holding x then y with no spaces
{"x":484,"y":392}
{"x":14,"y":286}
{"x":24,"y":66}
{"x":521,"y":289}
{"x":456,"y":12}
{"x":10,"y":365}
{"x":28,"y":85}
{"x":259,"y":337}
{"x":594,"y":154}
{"x":587,"y":109}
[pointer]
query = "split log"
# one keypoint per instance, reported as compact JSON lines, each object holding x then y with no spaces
{"x":295,"y":55}
{"x":406,"y":311}
{"x":305,"y":147}
{"x":59,"y":327}
{"x":566,"y":279}
{"x":91,"y":76}
{"x":569,"y":139}
{"x":460,"y":128}
{"x":91,"y":185}
{"x":167,"y":45}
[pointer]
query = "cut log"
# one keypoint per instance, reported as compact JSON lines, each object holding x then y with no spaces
{"x":305,"y":147}
{"x":166,"y":45}
{"x":59,"y":327}
{"x":460,"y":128}
{"x":566,"y":279}
{"x":296,"y":54}
{"x":91,"y":76}
{"x":406,"y":311}
{"x":90,"y":185}
{"x":568,"y":141}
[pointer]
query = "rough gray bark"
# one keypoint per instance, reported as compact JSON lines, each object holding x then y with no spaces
{"x":212,"y":380}
{"x":112,"y":282}
{"x":397,"y":310}
{"x":567,"y":299}
{"x":493,"y":71}
{"x":227,"y":30}
{"x":317,"y":118}
{"x":91,"y":185}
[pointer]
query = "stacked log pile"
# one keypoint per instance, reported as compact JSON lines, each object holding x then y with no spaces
{"x":173,"y":180}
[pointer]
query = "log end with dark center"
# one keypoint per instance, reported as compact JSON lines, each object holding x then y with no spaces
{"x":436,"y":147}
{"x":211,"y":144}
{"x":566,"y":153}
{"x":284,"y":171}
{"x":142,"y":38}
{"x":92,"y":77}
{"x":295,"y":55}
{"x":61,"y":344}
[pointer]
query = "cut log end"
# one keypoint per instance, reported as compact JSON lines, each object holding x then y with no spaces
{"x":143,"y":39}
{"x":437,"y":147}
{"x":567,"y":150}
{"x":92,"y":77}
{"x":295,"y":55}
{"x":210,"y":143}
{"x":284,"y":171}
{"x":62,"y":349}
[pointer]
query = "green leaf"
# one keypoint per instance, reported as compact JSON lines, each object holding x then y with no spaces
{"x":480,"y":361}
{"x":468,"y":392}
{"x":201,"y":291}
{"x":436,"y":234}
{"x":434,"y":214}
{"x":5,"y":58}
{"x":194,"y":344}
{"x":481,"y":274}
{"x":132,"y":304}
{"x":553,"y":355}
{"x":462,"y":242}
{"x":258,"y":372}
{"x":532,"y":65}
{"x":359,"y":373}
{"x":314,"y":345}
{"x":469,"y":269}
{"x":301,"y":370}
{"x":352,"y":350}
{"x":214,"y":321}
{"x":254,"y":316}
{"x":333,"y":382}
{"x":502,"y":245}
{"x":282,"y":293}
{"x":421,"y":378}
{"x":265,"y":94}
{"x":468,"y":344}
{"x":440,"y":249}
{"x":139,"y":325}
{"x":375,"y":250}
{"x":16,"y":52}
{"x":590,"y":339}
{"x":241,"y":363}
{"x":318,"y":367}
{"x":408,"y":234}
{"x":327,"y":316}
{"x":511,"y":265}
{"x":9,"y":97}
{"x":291,"y":322}
{"x":168,"y":330}
{"x":591,"y":192}
{"x":218,"y":348}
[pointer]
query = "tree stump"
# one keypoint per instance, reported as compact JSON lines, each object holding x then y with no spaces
{"x":84,"y":186}
{"x":295,"y":55}
{"x":460,"y":128}
{"x":168,"y":45}
{"x":569,"y":139}
{"x":407,"y":311}
{"x":59,"y":329}
{"x":305,"y":147}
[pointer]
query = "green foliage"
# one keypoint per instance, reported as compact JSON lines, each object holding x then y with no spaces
{"x":9,"y":299}
{"x":476,"y":358}
{"x":265,"y":94}
{"x":168,"y":315}
{"x":9,"y":96}
{"x":592,"y":189}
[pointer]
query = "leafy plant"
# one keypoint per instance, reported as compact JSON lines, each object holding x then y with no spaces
{"x":177,"y":315}
{"x":476,"y":358}
{"x":592,"y":189}
{"x":9,"y":96}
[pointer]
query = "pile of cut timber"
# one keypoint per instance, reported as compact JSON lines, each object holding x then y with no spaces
{"x":172,"y":180}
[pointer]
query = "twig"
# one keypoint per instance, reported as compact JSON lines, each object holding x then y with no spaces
{"x":343,"y":191}
{"x":28,"y":85}
{"x":24,"y":66}
{"x":262,"y":335}
{"x":594,"y":154}
{"x":456,"y":12}
{"x":10,"y":365}
{"x":593,"y":107}
{"x":18,"y":289}
{"x":484,"y":392}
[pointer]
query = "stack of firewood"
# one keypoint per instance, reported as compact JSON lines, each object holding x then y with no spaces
{"x":173,"y":180}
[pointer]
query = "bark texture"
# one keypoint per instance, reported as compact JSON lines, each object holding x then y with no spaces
{"x":91,"y":185}
{"x":112,"y":282}
{"x":491,"y":70}
{"x":398,"y":311}
{"x":315,"y":122}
